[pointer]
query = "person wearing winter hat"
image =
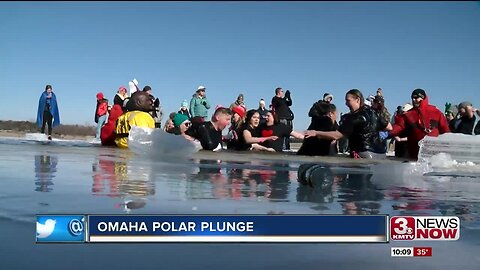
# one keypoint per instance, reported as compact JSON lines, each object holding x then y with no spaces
{"x":467,"y":121}
{"x":262,"y":110}
{"x":181,"y":124}
{"x":238,"y":102}
{"x":401,"y":147}
{"x":422,"y":120}
{"x":327,"y":97}
{"x":139,"y":106}
{"x":199,"y":104}
{"x":238,"y":119}
{"x":179,"y":119}
{"x":184,"y":109}
{"x":100,"y":113}
{"x":121,"y":98}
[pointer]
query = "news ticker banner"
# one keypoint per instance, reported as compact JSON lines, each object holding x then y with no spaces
{"x":247,"y":229}
{"x":212,"y":228}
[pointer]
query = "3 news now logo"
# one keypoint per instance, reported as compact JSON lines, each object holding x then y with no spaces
{"x":424,"y":228}
{"x":60,"y":228}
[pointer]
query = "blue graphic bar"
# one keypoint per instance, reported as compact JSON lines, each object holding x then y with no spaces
{"x":60,"y":229}
{"x":233,"y":228}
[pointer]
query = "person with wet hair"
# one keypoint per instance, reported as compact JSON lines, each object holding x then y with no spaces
{"x":210,"y":133}
{"x":138,"y":108}
{"x":361,"y":126}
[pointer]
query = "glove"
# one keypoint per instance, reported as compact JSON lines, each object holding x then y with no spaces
{"x":287,"y":93}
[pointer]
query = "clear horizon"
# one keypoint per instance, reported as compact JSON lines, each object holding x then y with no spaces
{"x":309,"y":48}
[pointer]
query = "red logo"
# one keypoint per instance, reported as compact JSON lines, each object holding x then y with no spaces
{"x":402,"y":228}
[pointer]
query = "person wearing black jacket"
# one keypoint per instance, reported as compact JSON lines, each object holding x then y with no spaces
{"x":468,"y":122}
{"x":281,"y":107}
{"x":324,"y":121}
{"x":157,"y":112}
{"x":210,"y":133}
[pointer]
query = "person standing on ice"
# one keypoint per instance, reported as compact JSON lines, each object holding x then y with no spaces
{"x":468,"y":122}
{"x":199,"y":104}
{"x":101,"y":113}
{"x":47,"y":113}
{"x":422,"y":120}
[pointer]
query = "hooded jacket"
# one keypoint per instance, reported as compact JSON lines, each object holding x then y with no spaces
{"x":419,"y":122}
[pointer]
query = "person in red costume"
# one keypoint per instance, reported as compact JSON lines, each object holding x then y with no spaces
{"x":424,"y":119}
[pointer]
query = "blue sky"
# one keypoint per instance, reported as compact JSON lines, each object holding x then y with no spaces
{"x":81,"y":48}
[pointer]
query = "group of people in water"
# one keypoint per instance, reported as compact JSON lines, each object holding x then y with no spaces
{"x":367,"y":128}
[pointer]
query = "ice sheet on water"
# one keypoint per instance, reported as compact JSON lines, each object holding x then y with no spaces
{"x":460,"y":147}
{"x":36,"y":136}
{"x":159,"y":145}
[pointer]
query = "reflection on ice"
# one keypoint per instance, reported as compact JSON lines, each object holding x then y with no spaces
{"x":45,"y":169}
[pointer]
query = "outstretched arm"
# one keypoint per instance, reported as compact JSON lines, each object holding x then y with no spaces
{"x":297,"y":135}
{"x":327,"y":135}
{"x":251,"y":140}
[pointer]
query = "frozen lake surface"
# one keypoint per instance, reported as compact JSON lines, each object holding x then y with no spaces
{"x":81,"y":178}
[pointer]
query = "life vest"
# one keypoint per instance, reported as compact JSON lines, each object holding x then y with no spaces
{"x":126,"y":121}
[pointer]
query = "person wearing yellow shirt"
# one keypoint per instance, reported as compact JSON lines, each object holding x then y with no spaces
{"x":138,"y":108}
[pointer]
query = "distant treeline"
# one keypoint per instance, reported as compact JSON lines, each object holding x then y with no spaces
{"x":31,"y":127}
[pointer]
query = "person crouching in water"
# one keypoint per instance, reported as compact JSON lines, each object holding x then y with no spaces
{"x":210,"y":133}
{"x":249,"y":137}
{"x":423,"y":120}
{"x":139,"y":106}
{"x":100,"y":113}
{"x":325,"y":120}
{"x":361,"y":126}
{"x":273,"y":127}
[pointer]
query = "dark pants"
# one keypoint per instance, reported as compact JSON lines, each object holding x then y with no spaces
{"x":47,"y":119}
{"x":286,"y":142}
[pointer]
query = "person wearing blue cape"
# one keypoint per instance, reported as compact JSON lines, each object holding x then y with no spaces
{"x":48,"y":111}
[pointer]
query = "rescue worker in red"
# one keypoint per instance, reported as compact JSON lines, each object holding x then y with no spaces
{"x":424,"y":119}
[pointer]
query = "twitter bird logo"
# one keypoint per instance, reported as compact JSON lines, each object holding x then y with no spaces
{"x":45,"y":230}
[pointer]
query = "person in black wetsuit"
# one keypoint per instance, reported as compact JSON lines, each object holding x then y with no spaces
{"x":210,"y":133}
{"x":361,"y":126}
{"x":325,"y":121}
